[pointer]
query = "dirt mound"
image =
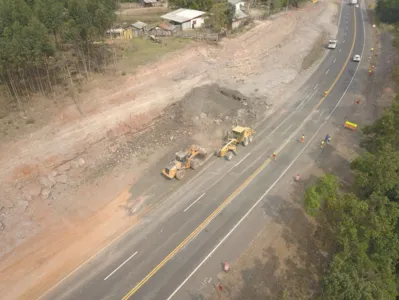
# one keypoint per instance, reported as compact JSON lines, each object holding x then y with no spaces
{"x":214,"y":105}
{"x":209,"y":101}
{"x":200,"y":117}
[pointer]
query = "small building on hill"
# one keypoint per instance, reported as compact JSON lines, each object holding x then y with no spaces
{"x":186,"y":19}
{"x":164,"y":29}
{"x":139,"y":28}
{"x":240,"y":17}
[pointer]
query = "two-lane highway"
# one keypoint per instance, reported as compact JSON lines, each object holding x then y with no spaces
{"x":158,"y":256}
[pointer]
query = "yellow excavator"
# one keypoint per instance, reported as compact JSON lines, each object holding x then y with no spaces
{"x":240,"y":135}
{"x":191,"y":158}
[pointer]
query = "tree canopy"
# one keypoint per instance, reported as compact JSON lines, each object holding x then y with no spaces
{"x":388,"y":11}
{"x":363,"y":225}
{"x":34,"y":33}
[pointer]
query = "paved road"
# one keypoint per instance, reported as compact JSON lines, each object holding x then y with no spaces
{"x":158,"y":258}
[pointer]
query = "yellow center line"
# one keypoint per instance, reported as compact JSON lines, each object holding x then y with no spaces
{"x":234,"y":194}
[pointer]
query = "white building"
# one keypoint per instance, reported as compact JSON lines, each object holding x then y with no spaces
{"x":186,"y":18}
{"x":239,"y":4}
{"x":239,"y":15}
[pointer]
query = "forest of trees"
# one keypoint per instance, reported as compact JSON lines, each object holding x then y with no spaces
{"x":41,"y":40}
{"x":388,"y":11}
{"x":362,"y":222}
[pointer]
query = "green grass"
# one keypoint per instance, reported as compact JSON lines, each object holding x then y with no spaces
{"x":142,"y":51}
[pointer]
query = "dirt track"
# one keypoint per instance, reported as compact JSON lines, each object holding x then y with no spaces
{"x":58,"y":177}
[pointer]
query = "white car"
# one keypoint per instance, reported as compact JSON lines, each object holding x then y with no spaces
{"x":356,"y":57}
{"x":332,"y":44}
{"x":357,"y":5}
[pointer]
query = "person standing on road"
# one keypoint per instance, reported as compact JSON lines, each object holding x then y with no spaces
{"x":322,"y":144}
{"x":302,"y":138}
{"x":274,"y":156}
{"x":327,"y":139}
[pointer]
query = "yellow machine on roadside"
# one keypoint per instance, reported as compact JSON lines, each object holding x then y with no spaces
{"x":191,"y":158}
{"x":243,"y":135}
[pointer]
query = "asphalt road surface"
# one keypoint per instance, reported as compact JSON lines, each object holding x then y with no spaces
{"x":160,"y":257}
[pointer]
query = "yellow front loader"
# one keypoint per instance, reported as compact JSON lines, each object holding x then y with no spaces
{"x":191,"y":158}
{"x":239,"y":135}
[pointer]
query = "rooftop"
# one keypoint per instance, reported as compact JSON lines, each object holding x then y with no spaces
{"x":167,"y":26}
{"x":139,"y":25}
{"x":182,"y":15}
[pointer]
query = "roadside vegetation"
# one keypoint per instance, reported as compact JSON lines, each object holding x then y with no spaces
{"x":43,"y":42}
{"x":361,"y":220}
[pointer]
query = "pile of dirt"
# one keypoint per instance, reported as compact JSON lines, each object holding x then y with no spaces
{"x":203,"y":114}
{"x":215,"y":106}
{"x":202,"y":117}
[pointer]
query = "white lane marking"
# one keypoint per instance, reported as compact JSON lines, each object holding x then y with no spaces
{"x":300,"y":104}
{"x":334,"y":60}
{"x":315,"y":87}
{"x":194,"y":202}
{"x":345,"y":33}
{"x":221,"y":177}
{"x":275,"y":129}
{"x":130,"y":228}
{"x":242,"y":159}
{"x":306,"y":99}
{"x":285,"y":131}
{"x":327,"y":71}
{"x":267,"y":191}
{"x":231,"y":169}
{"x":121,"y":265}
{"x":339,"y":49}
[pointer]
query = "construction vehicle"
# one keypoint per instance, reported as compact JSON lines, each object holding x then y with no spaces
{"x":240,"y":135}
{"x":191,"y":158}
